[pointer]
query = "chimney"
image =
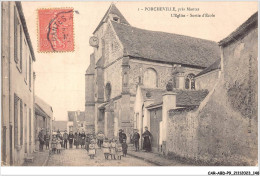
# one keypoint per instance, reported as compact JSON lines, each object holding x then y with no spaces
{"x":178,"y":76}
{"x":180,"y":81}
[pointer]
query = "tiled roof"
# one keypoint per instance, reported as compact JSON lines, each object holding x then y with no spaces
{"x":241,"y":30}
{"x":42,"y":106}
{"x":112,"y":10}
{"x":166,"y":47}
{"x":59,"y":125}
{"x":190,"y":97}
{"x":216,"y":65}
{"x":152,"y":93}
{"x":25,"y":29}
{"x":100,"y":62}
{"x":73,"y":114}
{"x":183,"y":97}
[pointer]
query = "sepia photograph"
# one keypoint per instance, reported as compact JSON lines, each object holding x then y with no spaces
{"x":88,"y":83}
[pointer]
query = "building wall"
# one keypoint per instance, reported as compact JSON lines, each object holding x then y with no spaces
{"x":99,"y":34}
{"x":112,"y":75}
{"x":113,"y":49}
{"x":207,"y":81}
{"x":220,"y":131}
{"x":123,"y":74}
{"x":182,"y":135}
{"x":164,"y":73}
{"x":17,"y":82}
{"x":90,"y":98}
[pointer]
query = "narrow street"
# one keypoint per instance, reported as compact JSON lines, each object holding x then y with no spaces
{"x":79,"y":157}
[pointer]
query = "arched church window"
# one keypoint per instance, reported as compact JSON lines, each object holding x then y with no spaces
{"x":108,"y":91}
{"x":150,"y":78}
{"x":187,"y":83}
{"x":190,"y":81}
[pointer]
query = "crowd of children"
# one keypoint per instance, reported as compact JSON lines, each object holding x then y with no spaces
{"x":112,"y":149}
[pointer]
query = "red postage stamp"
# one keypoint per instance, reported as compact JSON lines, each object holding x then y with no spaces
{"x":56,"y":30}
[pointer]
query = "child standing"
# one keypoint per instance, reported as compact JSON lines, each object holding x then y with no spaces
{"x":106,"y":149}
{"x":113,"y":149}
{"x":124,"y":147}
{"x":53,"y":144}
{"x":92,"y":149}
{"x":119,"y":150}
{"x":58,"y":144}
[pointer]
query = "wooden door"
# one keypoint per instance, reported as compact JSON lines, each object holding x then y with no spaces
{"x":155,"y":119}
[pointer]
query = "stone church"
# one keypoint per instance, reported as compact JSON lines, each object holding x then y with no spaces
{"x":126,"y":57}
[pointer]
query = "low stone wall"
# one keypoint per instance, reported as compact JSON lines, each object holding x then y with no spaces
{"x":220,"y":131}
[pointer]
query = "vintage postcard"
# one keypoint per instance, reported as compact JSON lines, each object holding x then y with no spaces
{"x":130,"y":84}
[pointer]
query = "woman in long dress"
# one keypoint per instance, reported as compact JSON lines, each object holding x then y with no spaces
{"x":82,"y":142}
{"x":147,"y":140}
{"x":76,"y":140}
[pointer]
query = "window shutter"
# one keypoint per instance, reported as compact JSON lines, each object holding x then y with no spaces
{"x":15,"y":35}
{"x":16,"y":99}
{"x":21,"y":122}
{"x":30,"y":71}
{"x":21,"y":47}
{"x":30,"y":125}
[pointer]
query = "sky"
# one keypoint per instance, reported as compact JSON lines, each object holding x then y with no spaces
{"x":60,"y":77}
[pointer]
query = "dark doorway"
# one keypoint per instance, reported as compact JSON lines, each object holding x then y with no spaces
{"x":11,"y":144}
{"x":4,"y":145}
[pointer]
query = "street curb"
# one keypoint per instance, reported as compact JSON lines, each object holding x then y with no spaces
{"x":46,"y":161}
{"x":146,"y":160}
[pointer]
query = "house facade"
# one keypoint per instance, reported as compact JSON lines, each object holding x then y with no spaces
{"x":43,"y":118}
{"x":17,"y":128}
{"x":125,"y":57}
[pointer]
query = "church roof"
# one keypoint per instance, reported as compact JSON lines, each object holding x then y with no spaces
{"x":100,"y":62}
{"x":241,"y":31}
{"x":112,"y":10}
{"x":166,"y":47}
{"x":214,"y":66}
{"x":183,"y":97}
{"x":152,"y":93}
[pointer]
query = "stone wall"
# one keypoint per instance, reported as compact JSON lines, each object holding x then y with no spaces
{"x":219,"y":132}
{"x":207,"y":81}
{"x":112,"y":75}
{"x":164,"y":73}
{"x":113,"y":48}
{"x":182,"y":134}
